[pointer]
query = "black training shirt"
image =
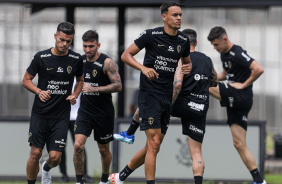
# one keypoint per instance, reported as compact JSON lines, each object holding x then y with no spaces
{"x":55,"y":74}
{"x":162,"y":53}
{"x":98,"y":104}
{"x":237,"y":65}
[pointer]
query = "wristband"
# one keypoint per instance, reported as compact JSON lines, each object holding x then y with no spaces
{"x":39,"y":92}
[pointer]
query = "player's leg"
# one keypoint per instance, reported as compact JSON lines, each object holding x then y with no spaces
{"x":136,"y":161}
{"x":198,"y":165}
{"x":128,"y":136}
{"x":78,"y":156}
{"x":32,"y":166}
{"x":214,"y":91}
{"x":154,"y":140}
{"x":106,"y":158}
{"x":239,"y":140}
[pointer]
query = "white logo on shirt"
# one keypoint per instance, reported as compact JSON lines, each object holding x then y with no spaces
{"x":171,"y":49}
{"x":60,"y":69}
{"x":87,"y":76}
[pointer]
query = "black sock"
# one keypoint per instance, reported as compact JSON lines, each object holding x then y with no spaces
{"x":133,"y":127}
{"x":125,"y":173}
{"x":31,"y":181}
{"x":256,"y":176}
{"x":198,"y":179}
{"x":104,"y":177}
{"x":79,"y":179}
{"x":46,"y":167}
{"x":150,"y":181}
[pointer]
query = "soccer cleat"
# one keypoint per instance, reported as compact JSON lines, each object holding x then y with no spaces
{"x":264,"y":182}
{"x":114,"y":179}
{"x":123,"y":137}
{"x":46,"y":176}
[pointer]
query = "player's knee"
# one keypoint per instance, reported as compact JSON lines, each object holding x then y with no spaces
{"x":104,"y":151}
{"x":36,"y":154}
{"x":78,"y":147}
{"x":55,"y":159}
{"x":238,"y":144}
{"x":155,"y":145}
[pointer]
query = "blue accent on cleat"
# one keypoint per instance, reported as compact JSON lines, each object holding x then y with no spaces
{"x":123,"y":137}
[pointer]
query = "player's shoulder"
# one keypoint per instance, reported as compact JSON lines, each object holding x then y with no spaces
{"x":44,"y":53}
{"x":74,"y":55}
{"x":236,"y":49}
{"x":182,"y":36}
{"x":200,"y":56}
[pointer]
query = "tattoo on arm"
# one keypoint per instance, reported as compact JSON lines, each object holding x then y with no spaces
{"x":214,"y":80}
{"x":177,"y":83}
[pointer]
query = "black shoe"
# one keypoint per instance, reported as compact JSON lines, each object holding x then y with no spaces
{"x":64,"y":179}
{"x":87,"y":179}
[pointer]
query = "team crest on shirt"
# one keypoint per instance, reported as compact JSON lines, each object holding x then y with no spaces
{"x":151,"y":120}
{"x":229,"y":64}
{"x":69,"y":69}
{"x":178,"y":48}
{"x":94,"y":73}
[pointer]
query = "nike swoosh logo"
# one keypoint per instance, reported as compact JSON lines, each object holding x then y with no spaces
{"x":160,"y":45}
{"x":49,"y":68}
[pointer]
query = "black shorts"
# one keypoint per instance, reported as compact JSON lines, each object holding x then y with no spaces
{"x":154,"y":109}
{"x":193,"y":124}
{"x":103,"y":126}
{"x":49,"y":131}
{"x":238,"y":104}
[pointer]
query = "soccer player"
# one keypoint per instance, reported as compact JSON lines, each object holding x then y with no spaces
{"x":96,"y":109}
{"x":240,"y":70}
{"x":190,"y":103}
{"x":164,"y":47}
{"x":56,"y":68}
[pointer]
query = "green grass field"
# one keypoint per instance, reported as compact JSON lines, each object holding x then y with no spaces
{"x":270,"y":178}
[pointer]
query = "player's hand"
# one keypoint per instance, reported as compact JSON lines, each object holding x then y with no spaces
{"x":72,"y":99}
{"x":186,"y":68}
{"x":87,"y":88}
{"x":150,"y":73}
{"x":237,"y":85}
{"x":44,"y":96}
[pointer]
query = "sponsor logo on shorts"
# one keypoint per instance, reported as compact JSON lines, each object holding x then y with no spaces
{"x":196,"y":106}
{"x":29,"y":135}
{"x":151,"y":120}
{"x":245,"y":119}
{"x":196,"y":130}
{"x":60,"y":141}
{"x":74,"y":128}
{"x":108,"y":136}
{"x":231,"y":100}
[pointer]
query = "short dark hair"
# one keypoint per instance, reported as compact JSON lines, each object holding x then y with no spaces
{"x":164,"y":7}
{"x":66,"y":27}
{"x":90,"y":35}
{"x":192,"y":35}
{"x":216,"y":32}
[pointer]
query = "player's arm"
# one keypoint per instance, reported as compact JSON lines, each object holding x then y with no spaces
{"x":213,"y":81}
{"x":257,"y":70}
{"x":29,"y":85}
{"x":186,"y":65}
{"x":111,"y":70}
{"x":177,"y":83}
{"x":127,"y":57}
{"x":222,"y":75}
{"x":77,"y":89}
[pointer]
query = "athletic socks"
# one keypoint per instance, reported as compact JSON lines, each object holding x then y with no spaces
{"x":46,"y":167}
{"x":104,"y":177}
{"x":150,"y":181}
{"x":79,"y":179}
{"x":125,"y":173}
{"x":256,"y":176}
{"x":198,"y":179}
{"x":31,"y":181}
{"x":133,"y":127}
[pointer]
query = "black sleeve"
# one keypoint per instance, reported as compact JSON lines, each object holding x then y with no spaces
{"x":142,"y":40}
{"x":79,"y":72}
{"x":34,"y":66}
{"x":242,"y":58}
